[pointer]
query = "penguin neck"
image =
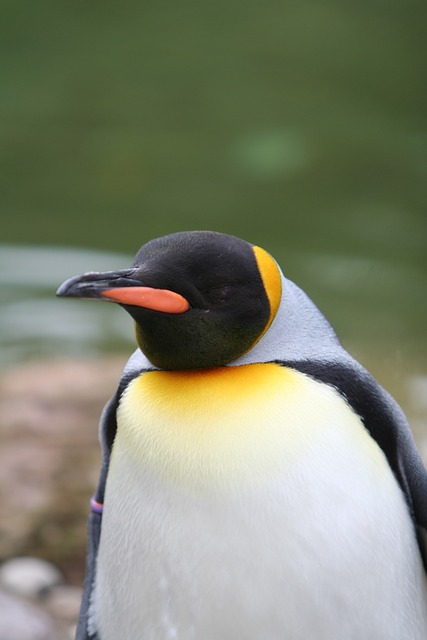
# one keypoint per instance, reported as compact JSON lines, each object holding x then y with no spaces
{"x":299,"y":331}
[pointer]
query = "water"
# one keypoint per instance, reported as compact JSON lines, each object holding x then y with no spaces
{"x":35,"y":324}
{"x":374,"y":304}
{"x":378,"y":308}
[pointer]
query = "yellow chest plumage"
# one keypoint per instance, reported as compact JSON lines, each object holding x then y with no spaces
{"x":229,"y":424}
{"x":236,"y":496}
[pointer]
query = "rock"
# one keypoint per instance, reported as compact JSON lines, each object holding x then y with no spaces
{"x":29,"y":577}
{"x":22,"y":621}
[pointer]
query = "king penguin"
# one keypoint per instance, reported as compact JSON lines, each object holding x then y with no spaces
{"x":257,"y":483}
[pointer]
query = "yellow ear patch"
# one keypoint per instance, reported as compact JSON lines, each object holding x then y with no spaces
{"x":271,"y":279}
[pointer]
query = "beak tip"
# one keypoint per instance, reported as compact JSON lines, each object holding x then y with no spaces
{"x":68,"y":289}
{"x":92,"y":284}
{"x":61,"y":291}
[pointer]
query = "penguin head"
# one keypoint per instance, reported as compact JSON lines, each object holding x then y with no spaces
{"x":199,"y":299}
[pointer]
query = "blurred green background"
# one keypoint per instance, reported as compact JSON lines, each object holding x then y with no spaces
{"x":297,"y":125}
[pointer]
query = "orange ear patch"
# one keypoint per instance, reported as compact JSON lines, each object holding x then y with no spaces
{"x":271,"y":279}
{"x":149,"y":298}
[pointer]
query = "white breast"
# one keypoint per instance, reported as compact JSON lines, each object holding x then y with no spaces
{"x":289,"y":525}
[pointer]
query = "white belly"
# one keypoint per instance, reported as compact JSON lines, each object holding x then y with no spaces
{"x":302,"y":534}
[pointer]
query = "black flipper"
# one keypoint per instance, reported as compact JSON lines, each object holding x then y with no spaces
{"x":107,"y":432}
{"x":387,"y":425}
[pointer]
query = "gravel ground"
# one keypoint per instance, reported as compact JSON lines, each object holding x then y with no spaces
{"x":35,"y":601}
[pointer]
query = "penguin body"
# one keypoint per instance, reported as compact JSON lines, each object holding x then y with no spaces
{"x":277,"y":494}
